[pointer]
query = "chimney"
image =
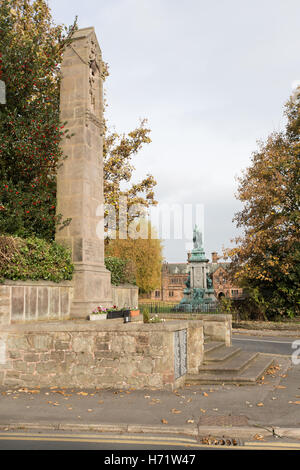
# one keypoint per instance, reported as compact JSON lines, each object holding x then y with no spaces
{"x":214,"y":257}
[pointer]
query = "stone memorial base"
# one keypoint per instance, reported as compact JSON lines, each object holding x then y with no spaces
{"x":91,"y":283}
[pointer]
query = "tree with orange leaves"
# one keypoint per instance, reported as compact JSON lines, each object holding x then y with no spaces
{"x":266,"y":257}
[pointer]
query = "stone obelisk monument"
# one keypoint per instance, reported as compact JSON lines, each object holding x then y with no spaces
{"x":80,"y":176}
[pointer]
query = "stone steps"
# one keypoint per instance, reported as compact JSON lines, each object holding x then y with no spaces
{"x":229,"y":365}
{"x":234,"y":363}
{"x":211,"y":346}
{"x":220,"y":354}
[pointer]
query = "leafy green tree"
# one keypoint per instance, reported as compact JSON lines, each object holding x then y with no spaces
{"x":31,"y":48}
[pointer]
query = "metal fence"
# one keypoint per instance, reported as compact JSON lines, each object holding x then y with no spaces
{"x":165,"y":307}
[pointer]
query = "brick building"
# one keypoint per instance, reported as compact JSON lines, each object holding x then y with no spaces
{"x":174,"y":276}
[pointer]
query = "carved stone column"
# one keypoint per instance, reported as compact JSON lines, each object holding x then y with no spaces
{"x":80,"y":176}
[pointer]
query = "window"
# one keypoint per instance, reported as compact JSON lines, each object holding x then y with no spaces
{"x":157,"y":293}
{"x":234,"y":292}
{"x":171,"y":293}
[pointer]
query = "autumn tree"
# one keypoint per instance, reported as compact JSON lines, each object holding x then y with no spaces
{"x":145,"y":254}
{"x":119,"y":149}
{"x":266,"y":257}
{"x":31,"y":48}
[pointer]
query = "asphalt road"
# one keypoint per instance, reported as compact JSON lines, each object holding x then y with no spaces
{"x":72,"y":441}
{"x":268,"y":345}
{"x":135,"y":450}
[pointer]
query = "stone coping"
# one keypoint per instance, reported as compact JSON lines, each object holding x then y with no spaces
{"x":219,"y":317}
{"x":40,"y":283}
{"x":125,"y":286}
{"x":85,"y":325}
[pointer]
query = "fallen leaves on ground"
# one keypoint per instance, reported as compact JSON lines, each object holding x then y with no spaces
{"x":164,"y":421}
{"x":202,"y":411}
{"x":272,"y":369}
{"x":280,"y":386}
{"x":175,"y":412}
{"x":154,"y":401}
{"x":62,"y":392}
{"x":259,"y":404}
{"x":84,"y":394}
{"x":217,"y":441}
{"x":258,"y":437}
{"x":26,"y":390}
{"x":205,"y":394}
{"x":190,"y":421}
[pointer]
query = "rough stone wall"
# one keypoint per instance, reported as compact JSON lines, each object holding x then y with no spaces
{"x":22,"y":301}
{"x":105,"y":354}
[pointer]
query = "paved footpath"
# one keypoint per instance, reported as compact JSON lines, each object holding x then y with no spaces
{"x":269,"y":408}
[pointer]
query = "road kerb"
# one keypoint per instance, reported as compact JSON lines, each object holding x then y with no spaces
{"x":242,"y":432}
{"x":163,"y":429}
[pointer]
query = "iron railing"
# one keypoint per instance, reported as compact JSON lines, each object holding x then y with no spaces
{"x":166,"y":307}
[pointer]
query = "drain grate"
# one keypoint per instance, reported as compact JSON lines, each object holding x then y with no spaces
{"x":220,"y":441}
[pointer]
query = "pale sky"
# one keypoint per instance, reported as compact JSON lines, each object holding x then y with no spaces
{"x":211,"y":77}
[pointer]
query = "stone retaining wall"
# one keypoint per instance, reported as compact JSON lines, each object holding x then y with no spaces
{"x":22,"y":301}
{"x":104,"y":354}
{"x":217,"y":326}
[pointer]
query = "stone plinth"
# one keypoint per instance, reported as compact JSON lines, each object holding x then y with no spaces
{"x":80,"y":176}
{"x":198,"y":274}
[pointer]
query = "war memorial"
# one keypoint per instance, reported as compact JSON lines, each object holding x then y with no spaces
{"x":45,"y":337}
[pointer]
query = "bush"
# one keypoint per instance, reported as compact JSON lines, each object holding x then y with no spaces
{"x":146,"y":315}
{"x":122,"y":271}
{"x":31,"y":132}
{"x":34,"y":259}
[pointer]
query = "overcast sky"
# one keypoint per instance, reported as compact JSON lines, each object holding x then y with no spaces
{"x":210,"y":76}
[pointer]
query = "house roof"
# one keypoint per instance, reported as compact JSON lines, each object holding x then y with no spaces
{"x":183,"y":268}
